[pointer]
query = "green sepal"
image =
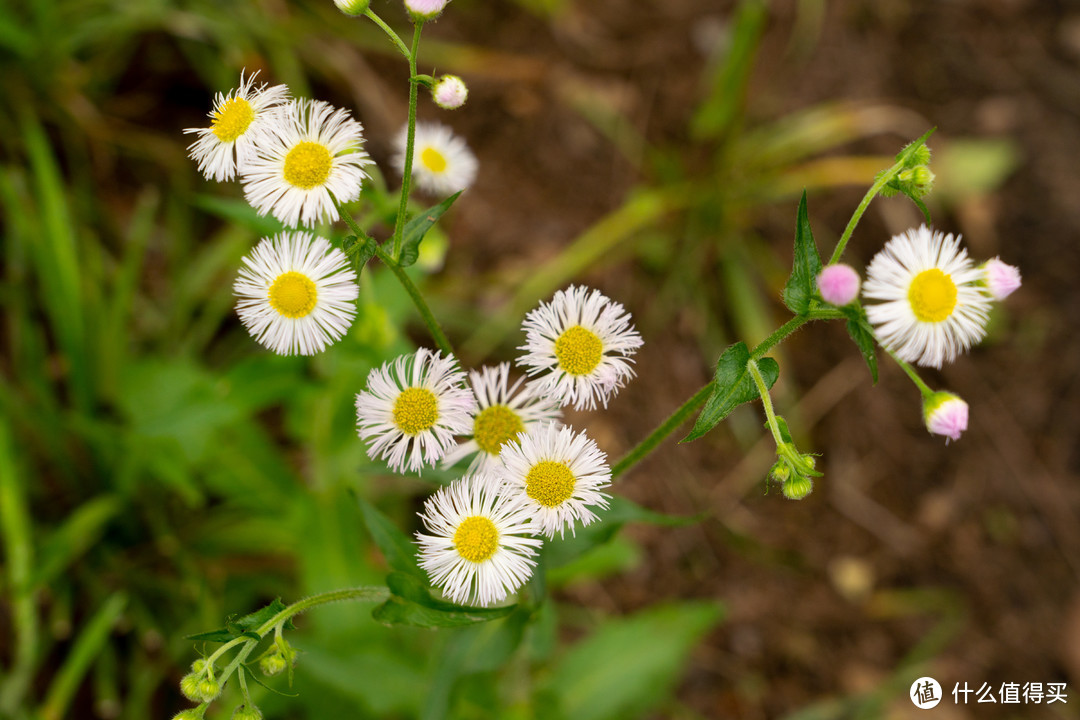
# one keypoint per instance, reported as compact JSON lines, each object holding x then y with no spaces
{"x":244,"y":626}
{"x":412,"y":604}
{"x":732,"y":386}
{"x":858,"y":327}
{"x":416,"y":228}
{"x":396,"y":546}
{"x":800,"y":287}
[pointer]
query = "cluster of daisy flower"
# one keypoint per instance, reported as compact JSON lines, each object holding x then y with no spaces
{"x":528,"y":475}
{"x":296,"y":159}
{"x":928,"y":302}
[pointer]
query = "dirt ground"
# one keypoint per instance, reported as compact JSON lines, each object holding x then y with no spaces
{"x":963,"y":556}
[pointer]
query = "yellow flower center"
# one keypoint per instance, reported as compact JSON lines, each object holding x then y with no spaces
{"x":415,"y":410}
{"x":932,"y":295}
{"x":550,"y":483}
{"x":433,"y":160}
{"x":293,"y":295}
{"x":494,"y":426}
{"x":233,"y":119}
{"x":578,"y":351}
{"x":307,"y":165}
{"x":476,"y":538}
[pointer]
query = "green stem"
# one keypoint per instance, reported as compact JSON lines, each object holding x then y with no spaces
{"x":410,"y":141}
{"x":906,"y":367}
{"x":882,"y":179}
{"x":657,"y":436}
{"x":394,"y":38}
{"x":766,"y":401}
{"x":434,"y":328}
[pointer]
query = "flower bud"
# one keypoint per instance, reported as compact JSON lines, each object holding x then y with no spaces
{"x":780,"y":471}
{"x":917,"y":181}
{"x":246,"y":713}
{"x":797,"y":487}
{"x":189,"y":686}
{"x":352,"y":7}
{"x":190,"y":713}
{"x":945,"y":414}
{"x":272,"y":664}
{"x":1001,"y":278}
{"x":449,"y":92}
{"x":425,"y":9}
{"x":838,"y":284}
{"x":208,"y":689}
{"x":199,"y":666}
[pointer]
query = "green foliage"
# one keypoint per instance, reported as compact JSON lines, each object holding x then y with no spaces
{"x":732,"y":386}
{"x":802,"y":284}
{"x":417,"y":227}
{"x":244,"y":626}
{"x":861,"y":332}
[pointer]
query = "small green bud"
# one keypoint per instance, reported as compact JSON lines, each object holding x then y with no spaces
{"x":209,"y":688}
{"x":199,"y":666}
{"x":190,"y":714}
{"x":352,"y":7}
{"x":189,"y":686}
{"x":272,"y":664}
{"x":246,"y":713}
{"x":797,"y":487}
{"x":913,"y":155}
{"x":780,"y":472}
{"x":917,"y":181}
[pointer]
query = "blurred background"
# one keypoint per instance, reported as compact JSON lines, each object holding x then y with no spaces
{"x":159,"y":470}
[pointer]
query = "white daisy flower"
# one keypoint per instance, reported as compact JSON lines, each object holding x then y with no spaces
{"x":502,"y":413}
{"x":297,"y":294}
{"x":583,"y":342}
{"x":442,"y":162}
{"x":307,"y":150}
{"x":479,"y":549}
{"x":558,"y":476}
{"x":413,"y":408}
{"x":228,"y":144}
{"x":933,"y":305}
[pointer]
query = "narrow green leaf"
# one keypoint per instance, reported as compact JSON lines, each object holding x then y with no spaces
{"x":733,"y":386}
{"x":244,"y":626}
{"x":412,"y":604}
{"x":922,"y":208}
{"x":722,"y":107}
{"x":416,"y":228}
{"x":360,"y":249}
{"x":908,"y":152}
{"x":237,"y":211}
{"x":261,"y":616}
{"x":800,"y":287}
{"x":396,"y":546}
{"x":859,"y":328}
{"x":80,"y":531}
{"x":628,"y":666}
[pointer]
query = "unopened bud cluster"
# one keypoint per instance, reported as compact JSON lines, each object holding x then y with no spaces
{"x":794,"y":470}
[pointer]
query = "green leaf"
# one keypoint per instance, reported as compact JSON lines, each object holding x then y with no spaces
{"x":922,"y":208}
{"x":629,"y":666}
{"x":79,"y":532}
{"x":858,"y":327}
{"x":396,"y":546}
{"x":733,"y":386}
{"x":416,"y":228}
{"x":361,"y":249}
{"x":412,"y":604}
{"x":807,"y":264}
{"x":245,"y":626}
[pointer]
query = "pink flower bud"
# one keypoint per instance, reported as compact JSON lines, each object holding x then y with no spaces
{"x":1001,"y":278}
{"x":425,"y":9}
{"x":945,"y":414}
{"x":449,"y":92}
{"x":838,"y":284}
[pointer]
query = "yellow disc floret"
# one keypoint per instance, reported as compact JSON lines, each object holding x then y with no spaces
{"x":293,"y":295}
{"x":433,"y":160}
{"x":307,"y":165}
{"x":476,"y":538}
{"x":550,"y":483}
{"x":233,"y":119}
{"x":578,"y":351}
{"x":415,"y":410}
{"x":495,"y":425}
{"x":932,"y":295}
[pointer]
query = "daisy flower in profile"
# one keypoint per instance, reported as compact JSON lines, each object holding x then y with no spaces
{"x":442,"y":162}
{"x":558,"y":474}
{"x":425,"y":9}
{"x":932,"y":303}
{"x":307,"y":150}
{"x":412,"y":409}
{"x":449,"y":92}
{"x":945,"y":414}
{"x":228,"y":143}
{"x":578,"y":347}
{"x":479,"y":548}
{"x":296,"y":293}
{"x":502,"y":412}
